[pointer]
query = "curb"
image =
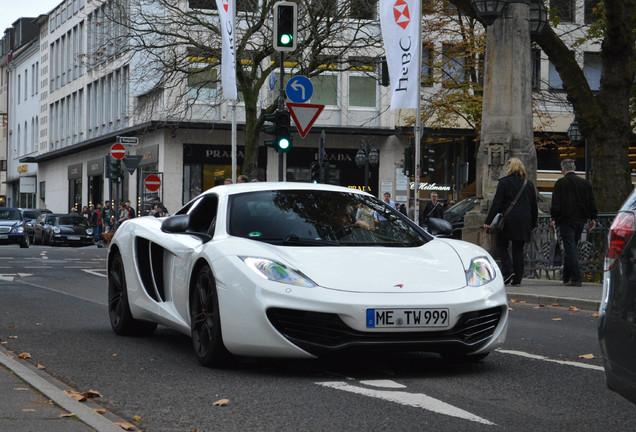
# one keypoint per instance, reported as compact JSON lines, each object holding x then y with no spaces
{"x":82,"y":411}
{"x":590,"y":305}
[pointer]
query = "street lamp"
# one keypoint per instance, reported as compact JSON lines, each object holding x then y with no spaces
{"x":538,"y":17}
{"x":367,"y":155}
{"x":575,"y":135}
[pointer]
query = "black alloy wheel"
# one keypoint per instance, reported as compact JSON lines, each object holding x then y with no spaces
{"x":121,"y":319}
{"x":25,"y":243}
{"x":205,"y":321}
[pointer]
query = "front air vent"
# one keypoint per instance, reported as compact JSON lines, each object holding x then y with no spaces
{"x":150,"y":265}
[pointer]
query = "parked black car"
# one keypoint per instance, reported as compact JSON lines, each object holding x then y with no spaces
{"x":30,"y":218}
{"x":617,"y":315}
{"x":455,"y":215}
{"x":13,"y":227}
{"x":60,"y":229}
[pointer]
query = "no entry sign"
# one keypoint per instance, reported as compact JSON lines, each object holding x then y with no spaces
{"x":152,"y":182}
{"x":118,"y":151}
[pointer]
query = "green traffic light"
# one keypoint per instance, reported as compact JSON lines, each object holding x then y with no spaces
{"x":283,"y":144}
{"x":285,"y":39}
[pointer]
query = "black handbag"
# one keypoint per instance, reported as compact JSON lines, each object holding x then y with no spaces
{"x":499,"y":221}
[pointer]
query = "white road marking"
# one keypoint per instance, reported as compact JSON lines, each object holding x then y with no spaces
{"x":417,"y":400}
{"x":7,"y":277}
{"x":25,"y":274}
{"x":6,"y":258}
{"x":95,"y":272}
{"x":383,"y":384}
{"x":540,"y":357}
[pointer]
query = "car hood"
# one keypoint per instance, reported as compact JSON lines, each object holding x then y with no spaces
{"x":68,"y":229}
{"x":9,"y":222}
{"x":433,"y":267}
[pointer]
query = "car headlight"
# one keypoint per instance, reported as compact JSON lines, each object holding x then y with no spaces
{"x":480,"y":272}
{"x":18,"y":230}
{"x":56,"y":230}
{"x":271,"y":270}
{"x":89,"y":231}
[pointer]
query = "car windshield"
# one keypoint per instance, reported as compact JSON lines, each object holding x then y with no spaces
{"x":314,"y":218}
{"x":461,"y":207}
{"x":73,"y":220}
{"x":30,"y":214}
{"x":9,"y":214}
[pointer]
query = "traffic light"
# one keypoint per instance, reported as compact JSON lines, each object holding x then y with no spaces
{"x":270,"y":129}
{"x":283,"y":141}
{"x":408,"y":160}
{"x":114,"y":169}
{"x":285,"y":26}
{"x":315,"y":172}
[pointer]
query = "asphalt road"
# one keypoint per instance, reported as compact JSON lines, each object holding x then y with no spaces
{"x":54,"y":301}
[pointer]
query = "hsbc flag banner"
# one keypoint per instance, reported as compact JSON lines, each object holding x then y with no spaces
{"x":400,"y":28}
{"x":228,"y":55}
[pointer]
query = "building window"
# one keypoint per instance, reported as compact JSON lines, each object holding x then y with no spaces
{"x":325,"y":89}
{"x":324,"y":8}
{"x":202,"y":4}
{"x":554,"y":79}
{"x":19,"y":93}
{"x":453,"y":66}
{"x":362,"y":83}
{"x":426,"y":78}
{"x":564,"y":9}
{"x":203,"y":83}
{"x":247,"y":5}
{"x":535,"y":56}
{"x":592,"y":69}
{"x":590,"y":16}
{"x":363,"y":9}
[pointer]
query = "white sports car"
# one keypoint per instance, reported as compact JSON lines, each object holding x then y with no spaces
{"x":300,"y":270}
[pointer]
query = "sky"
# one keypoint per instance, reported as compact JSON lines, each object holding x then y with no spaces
{"x":14,"y":9}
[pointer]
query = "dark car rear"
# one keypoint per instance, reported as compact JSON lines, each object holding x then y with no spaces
{"x":617,"y":323}
{"x":455,"y":215}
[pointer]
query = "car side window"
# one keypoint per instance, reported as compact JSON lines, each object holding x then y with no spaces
{"x":203,"y":214}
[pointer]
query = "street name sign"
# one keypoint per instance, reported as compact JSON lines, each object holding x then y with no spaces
{"x":128,"y":140}
{"x":304,"y":115}
{"x":118,"y":151}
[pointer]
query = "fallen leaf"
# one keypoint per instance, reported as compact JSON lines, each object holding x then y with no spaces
{"x":595,"y":315}
{"x":137,"y":418}
{"x":67,"y":415}
{"x":510,"y":309}
{"x":555,"y":304}
{"x":38,"y":324}
{"x":100,"y":411}
{"x":573,"y":308}
{"x":91,"y":394}
{"x":115,"y":355}
{"x":126,"y":426}
{"x":3,"y":343}
{"x":40,"y":367}
{"x":10,"y":326}
{"x":523,"y":301}
{"x":513,"y":300}
{"x":556,"y":319}
{"x":221,"y":402}
{"x":587,"y":356}
{"x":13,"y":337}
{"x":28,"y":410}
{"x":21,"y":389}
{"x":24,"y":355}
{"x":75,"y":395}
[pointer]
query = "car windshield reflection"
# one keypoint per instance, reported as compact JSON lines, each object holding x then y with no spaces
{"x":315,"y":218}
{"x":9,"y":214}
{"x":73,"y":221}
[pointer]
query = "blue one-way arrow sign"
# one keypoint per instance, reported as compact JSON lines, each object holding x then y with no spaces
{"x":299,"y":89}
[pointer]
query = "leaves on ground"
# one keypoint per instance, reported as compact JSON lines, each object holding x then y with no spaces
{"x":10,"y":326}
{"x":21,"y":389}
{"x":75,"y":395}
{"x":137,"y":418}
{"x":556,"y":304}
{"x":587,"y":356}
{"x":513,"y":300}
{"x":24,"y":355}
{"x":27,"y":410}
{"x":68,"y":415}
{"x":221,"y":402}
{"x":557,"y":319}
{"x":13,"y":337}
{"x":126,"y":426}
{"x":41,"y":367}
{"x":574,"y":308}
{"x":539,"y":307}
{"x":595,"y":315}
{"x":91,"y":394}
{"x":99,"y":411}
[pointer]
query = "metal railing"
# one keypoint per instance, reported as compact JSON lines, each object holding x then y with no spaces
{"x":544,"y":253}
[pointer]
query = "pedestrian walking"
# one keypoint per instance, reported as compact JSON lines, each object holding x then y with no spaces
{"x":380,"y":220}
{"x":516,"y":199}
{"x":572,"y":206}
{"x":433,"y":209}
{"x":131,"y":210}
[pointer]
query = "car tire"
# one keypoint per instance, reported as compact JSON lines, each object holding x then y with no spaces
{"x":205,"y":321}
{"x":121,"y":319}
{"x":25,"y":243}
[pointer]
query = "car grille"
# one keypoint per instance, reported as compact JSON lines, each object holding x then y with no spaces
{"x":318,"y":332}
{"x":5,"y":229}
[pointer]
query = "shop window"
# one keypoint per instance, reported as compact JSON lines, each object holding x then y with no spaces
{"x":564,"y":9}
{"x":592,"y":69}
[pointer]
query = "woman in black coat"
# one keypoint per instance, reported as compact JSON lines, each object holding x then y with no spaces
{"x":520,"y":222}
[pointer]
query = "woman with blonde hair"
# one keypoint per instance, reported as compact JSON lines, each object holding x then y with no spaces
{"x":520,"y":221}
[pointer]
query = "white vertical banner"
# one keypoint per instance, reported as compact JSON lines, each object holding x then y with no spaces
{"x":226,"y":10}
{"x":401,"y":21}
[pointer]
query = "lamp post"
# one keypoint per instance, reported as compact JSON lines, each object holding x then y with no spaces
{"x":506,"y":128}
{"x":367,"y":155}
{"x":574,"y":135}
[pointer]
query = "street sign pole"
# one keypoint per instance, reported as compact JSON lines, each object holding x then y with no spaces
{"x":321,"y":155}
{"x":281,"y":106}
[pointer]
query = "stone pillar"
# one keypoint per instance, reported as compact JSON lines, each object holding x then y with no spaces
{"x":506,"y":129}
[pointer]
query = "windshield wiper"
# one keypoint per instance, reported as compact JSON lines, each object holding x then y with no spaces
{"x":294,"y":240}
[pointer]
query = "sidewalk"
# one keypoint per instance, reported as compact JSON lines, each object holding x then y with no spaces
{"x":32,"y":401}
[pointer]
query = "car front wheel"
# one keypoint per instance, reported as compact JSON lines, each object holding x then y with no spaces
{"x":121,"y":320}
{"x":205,"y":321}
{"x":25,"y":243}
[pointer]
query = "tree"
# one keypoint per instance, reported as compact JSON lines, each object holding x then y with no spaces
{"x":177,"y":50}
{"x":604,"y":116}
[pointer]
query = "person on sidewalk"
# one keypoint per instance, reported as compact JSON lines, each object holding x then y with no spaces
{"x":572,"y":206}
{"x":433,"y":209}
{"x":520,"y":221}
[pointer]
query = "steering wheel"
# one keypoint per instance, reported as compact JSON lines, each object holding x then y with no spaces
{"x":349,"y":227}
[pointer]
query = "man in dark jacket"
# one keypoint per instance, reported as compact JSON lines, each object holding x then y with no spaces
{"x":433,"y":209}
{"x":572,"y":206}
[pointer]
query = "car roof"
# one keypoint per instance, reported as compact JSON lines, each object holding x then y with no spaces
{"x":9,"y":208}
{"x":238,"y":188}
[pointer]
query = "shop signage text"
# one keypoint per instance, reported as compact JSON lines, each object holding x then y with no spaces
{"x":23,"y":168}
{"x":362,"y":188}
{"x":336,"y":157}
{"x":223,"y":154}
{"x":431,"y":186}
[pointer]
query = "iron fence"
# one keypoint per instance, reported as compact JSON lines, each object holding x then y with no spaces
{"x":544,"y":252}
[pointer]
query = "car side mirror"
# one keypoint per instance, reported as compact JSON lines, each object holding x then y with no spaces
{"x":176,"y":224}
{"x":439,"y":227}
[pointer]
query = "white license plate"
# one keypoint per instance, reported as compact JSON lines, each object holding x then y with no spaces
{"x":407,"y":318}
{"x":3,"y":236}
{"x":73,"y":237}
